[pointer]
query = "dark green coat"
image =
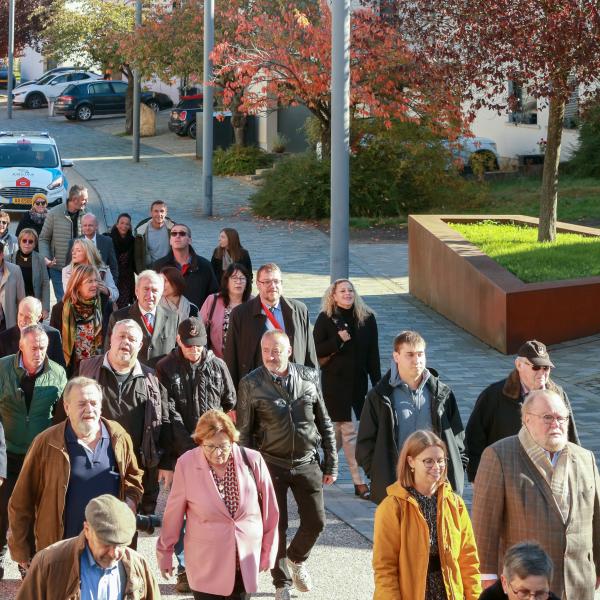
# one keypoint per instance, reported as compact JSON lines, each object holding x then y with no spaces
{"x":20,"y":425}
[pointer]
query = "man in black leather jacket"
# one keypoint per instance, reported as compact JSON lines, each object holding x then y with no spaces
{"x":282,"y":414}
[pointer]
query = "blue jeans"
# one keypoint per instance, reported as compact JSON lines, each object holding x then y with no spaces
{"x":56,"y":279}
{"x":178,"y":550}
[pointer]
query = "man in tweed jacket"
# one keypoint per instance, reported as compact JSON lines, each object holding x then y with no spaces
{"x":537,"y":486}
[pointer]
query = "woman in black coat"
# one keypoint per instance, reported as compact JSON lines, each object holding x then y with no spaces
{"x":229,"y":251}
{"x":123,"y":242}
{"x":347,"y":345}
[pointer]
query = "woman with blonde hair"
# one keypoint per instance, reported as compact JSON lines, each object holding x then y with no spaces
{"x":423,"y":544}
{"x":82,"y":317}
{"x":347,"y":344}
{"x":84,"y":252}
{"x":226,"y":495}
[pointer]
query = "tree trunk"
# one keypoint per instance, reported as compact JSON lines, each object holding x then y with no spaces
{"x":548,"y":199}
{"x":238,"y":121}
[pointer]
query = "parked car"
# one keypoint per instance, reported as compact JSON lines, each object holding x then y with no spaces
{"x":4,"y":78}
{"x":183,"y":117}
{"x":475,"y":153}
{"x":47,"y":75}
{"x":84,"y":100}
{"x":35,"y":95}
{"x":30,"y":164}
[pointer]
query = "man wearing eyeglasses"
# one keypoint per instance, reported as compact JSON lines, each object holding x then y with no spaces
{"x":537,"y":485}
{"x":8,"y":239}
{"x":199,"y":277}
{"x":497,"y":412}
{"x":269,"y":311}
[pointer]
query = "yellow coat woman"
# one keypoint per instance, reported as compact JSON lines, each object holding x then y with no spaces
{"x":402,"y":543}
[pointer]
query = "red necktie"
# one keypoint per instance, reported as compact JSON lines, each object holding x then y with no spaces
{"x":149,"y":326}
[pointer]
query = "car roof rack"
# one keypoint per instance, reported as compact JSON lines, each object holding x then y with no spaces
{"x":23,"y":133}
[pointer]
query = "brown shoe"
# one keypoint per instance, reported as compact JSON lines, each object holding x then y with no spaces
{"x":182,"y":586}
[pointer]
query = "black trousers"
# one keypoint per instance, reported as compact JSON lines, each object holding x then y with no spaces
{"x":306,"y":483}
{"x":239,"y":591}
{"x":14,"y":463}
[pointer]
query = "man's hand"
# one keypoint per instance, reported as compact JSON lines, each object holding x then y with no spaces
{"x":166,"y":478}
{"x":25,"y":565}
{"x":49,"y":263}
{"x":329,"y":479}
{"x":167,"y":573}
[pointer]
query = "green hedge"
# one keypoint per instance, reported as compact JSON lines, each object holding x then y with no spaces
{"x":392,"y":172}
{"x":585,"y":161}
{"x":240,"y":160}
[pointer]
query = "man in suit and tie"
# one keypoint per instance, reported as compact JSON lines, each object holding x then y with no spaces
{"x":89,"y":228}
{"x":270,"y":310}
{"x":159,"y":325}
{"x":538,"y":486}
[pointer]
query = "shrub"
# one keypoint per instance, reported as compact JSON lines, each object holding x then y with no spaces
{"x":392,"y":172}
{"x":240,"y":160}
{"x":585,"y":161}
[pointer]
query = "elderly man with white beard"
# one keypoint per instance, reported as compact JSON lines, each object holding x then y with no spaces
{"x":87,"y":456}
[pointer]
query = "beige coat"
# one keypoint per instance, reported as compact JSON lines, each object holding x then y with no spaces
{"x":512,"y":502}
{"x":56,"y":234}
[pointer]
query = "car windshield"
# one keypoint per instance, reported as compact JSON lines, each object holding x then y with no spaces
{"x":45,"y":79}
{"x":27,"y":154}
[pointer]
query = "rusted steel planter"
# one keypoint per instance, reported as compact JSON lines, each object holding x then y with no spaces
{"x":457,"y":280}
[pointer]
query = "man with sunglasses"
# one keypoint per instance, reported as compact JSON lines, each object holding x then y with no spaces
{"x":497,"y":412}
{"x":537,"y":485}
{"x":200,"y":280}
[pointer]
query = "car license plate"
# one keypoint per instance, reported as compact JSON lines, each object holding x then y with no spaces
{"x":21,"y":200}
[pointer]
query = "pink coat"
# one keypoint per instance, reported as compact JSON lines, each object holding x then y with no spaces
{"x":211,"y":534}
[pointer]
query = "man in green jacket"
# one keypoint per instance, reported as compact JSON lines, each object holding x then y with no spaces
{"x":31,"y":386}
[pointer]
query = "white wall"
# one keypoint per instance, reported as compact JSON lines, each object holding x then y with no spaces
{"x":520,"y":139}
{"x":32,"y":64}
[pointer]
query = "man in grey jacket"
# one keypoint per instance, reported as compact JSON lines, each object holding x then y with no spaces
{"x":62,"y":225}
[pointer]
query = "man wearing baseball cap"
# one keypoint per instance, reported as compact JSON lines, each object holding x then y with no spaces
{"x":497,"y":412}
{"x":97,"y":560}
{"x":196,"y":381}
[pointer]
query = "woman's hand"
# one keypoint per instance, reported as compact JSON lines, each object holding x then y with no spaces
{"x":167,"y":573}
{"x":103,"y":289}
{"x":344,"y":335}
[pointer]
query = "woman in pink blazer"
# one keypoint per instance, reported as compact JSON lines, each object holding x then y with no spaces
{"x":216,"y":488}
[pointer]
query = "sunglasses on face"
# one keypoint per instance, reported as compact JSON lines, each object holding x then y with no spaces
{"x":178,"y":233}
{"x":40,"y":203}
{"x":27,"y":241}
{"x":538,"y":367}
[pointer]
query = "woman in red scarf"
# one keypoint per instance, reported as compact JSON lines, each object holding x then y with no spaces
{"x":82,"y":317}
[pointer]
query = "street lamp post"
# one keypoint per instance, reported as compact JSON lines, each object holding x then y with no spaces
{"x":11,"y":56}
{"x":207,"y":108}
{"x":136,"y":93}
{"x":340,"y":140}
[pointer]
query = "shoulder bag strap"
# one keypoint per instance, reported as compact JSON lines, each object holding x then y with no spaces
{"x":247,"y":461}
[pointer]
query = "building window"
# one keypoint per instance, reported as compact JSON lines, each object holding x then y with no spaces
{"x":571,"y":119}
{"x":523,"y":106}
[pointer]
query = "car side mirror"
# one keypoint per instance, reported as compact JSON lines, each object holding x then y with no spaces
{"x":66,"y":163}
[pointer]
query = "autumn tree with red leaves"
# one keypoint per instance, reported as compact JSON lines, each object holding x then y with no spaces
{"x":30,"y":18}
{"x":552,"y":46}
{"x":281,"y":55}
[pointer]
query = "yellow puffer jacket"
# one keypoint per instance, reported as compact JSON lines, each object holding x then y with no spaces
{"x":401,"y":547}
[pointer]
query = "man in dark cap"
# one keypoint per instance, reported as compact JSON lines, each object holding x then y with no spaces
{"x":497,"y":412}
{"x":196,"y":381}
{"x":97,"y":560}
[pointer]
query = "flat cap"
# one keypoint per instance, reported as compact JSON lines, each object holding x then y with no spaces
{"x":112,"y":520}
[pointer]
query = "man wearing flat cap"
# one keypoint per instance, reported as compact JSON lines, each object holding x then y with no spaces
{"x":196,"y":381}
{"x":95,"y":564}
{"x":497,"y":412}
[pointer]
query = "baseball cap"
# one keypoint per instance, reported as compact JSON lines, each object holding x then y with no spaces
{"x":192,"y":332}
{"x":536,"y":353}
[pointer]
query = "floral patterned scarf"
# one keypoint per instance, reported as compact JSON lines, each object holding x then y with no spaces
{"x":73,"y":314}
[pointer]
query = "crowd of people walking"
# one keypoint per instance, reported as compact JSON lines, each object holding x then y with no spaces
{"x":159,"y":367}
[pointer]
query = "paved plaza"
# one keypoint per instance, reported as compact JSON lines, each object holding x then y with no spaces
{"x":341,"y":562}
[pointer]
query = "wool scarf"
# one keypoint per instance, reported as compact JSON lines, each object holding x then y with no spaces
{"x":556,"y":477}
{"x":81,"y":311}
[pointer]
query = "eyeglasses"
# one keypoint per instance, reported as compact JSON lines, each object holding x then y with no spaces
{"x":430,"y":463}
{"x":527,"y":594}
{"x":4,"y":222}
{"x":40,"y":203}
{"x":212,"y":449}
{"x":178,"y":233}
{"x":268,"y":282}
{"x":537,"y":367}
{"x":549,"y":419}
{"x":238,"y":278}
{"x":27,"y":241}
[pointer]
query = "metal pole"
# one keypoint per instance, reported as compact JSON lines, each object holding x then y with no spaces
{"x":207,"y":110}
{"x":11,"y":56}
{"x":340,"y":140}
{"x":136,"y":93}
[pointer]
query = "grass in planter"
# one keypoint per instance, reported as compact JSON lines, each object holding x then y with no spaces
{"x":516,"y":248}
